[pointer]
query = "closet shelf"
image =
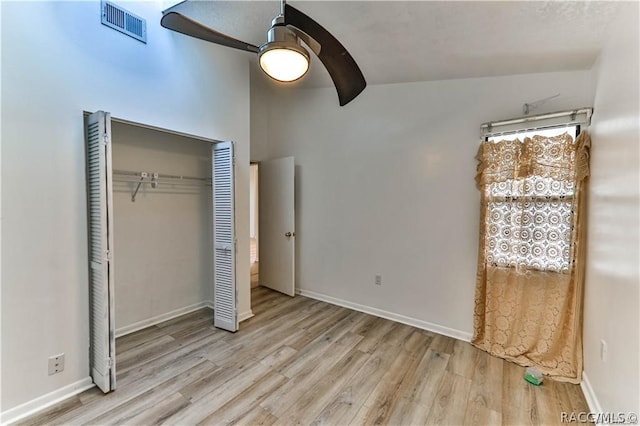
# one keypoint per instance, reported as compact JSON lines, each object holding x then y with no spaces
{"x":154,"y":179}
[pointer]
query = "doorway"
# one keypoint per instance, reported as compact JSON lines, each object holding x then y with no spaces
{"x":254,"y":224}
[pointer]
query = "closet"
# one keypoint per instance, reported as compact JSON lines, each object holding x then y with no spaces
{"x":161,"y":231}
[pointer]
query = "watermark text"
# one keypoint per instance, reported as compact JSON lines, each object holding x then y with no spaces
{"x":600,"y":418}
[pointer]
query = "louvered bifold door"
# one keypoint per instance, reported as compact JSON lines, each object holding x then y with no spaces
{"x":99,"y":189}
{"x":225,"y":304}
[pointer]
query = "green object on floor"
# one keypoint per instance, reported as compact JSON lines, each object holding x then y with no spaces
{"x":532,"y":379}
{"x":533,"y":376}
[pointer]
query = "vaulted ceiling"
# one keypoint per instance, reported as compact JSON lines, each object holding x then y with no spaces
{"x":406,"y":41}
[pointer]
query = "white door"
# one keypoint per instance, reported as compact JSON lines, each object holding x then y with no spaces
{"x":225,"y":309}
{"x":277,"y":225}
{"x":102,"y":346}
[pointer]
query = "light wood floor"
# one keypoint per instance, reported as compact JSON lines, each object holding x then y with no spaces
{"x":300,"y":361}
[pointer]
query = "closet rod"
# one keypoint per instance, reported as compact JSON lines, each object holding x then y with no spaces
{"x":160,"y":181}
{"x":154,"y":179}
{"x":160,"y":176}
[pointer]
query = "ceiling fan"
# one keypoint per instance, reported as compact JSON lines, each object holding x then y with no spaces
{"x":282,"y":57}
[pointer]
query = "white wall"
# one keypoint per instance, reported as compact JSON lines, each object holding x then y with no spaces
{"x":163,"y":241}
{"x":58,"y":60}
{"x":260,"y":99}
{"x":612,"y":280}
{"x":385,"y":185}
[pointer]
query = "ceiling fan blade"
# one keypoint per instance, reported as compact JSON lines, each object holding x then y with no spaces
{"x":180,"y":23}
{"x":344,"y":71}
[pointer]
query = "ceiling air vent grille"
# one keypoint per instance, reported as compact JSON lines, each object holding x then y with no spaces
{"x":124,"y":21}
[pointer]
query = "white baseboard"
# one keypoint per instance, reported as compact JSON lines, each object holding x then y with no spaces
{"x":245,"y":315}
{"x":414,"y":322}
{"x":40,"y":403}
{"x":127,"y":329}
{"x":590,"y":395}
{"x":31,"y":407}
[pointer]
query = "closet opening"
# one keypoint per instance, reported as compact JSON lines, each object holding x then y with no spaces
{"x":162,"y":225}
{"x":161,"y":237}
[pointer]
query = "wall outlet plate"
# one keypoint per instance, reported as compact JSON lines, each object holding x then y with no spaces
{"x":603,"y":350}
{"x":56,"y":364}
{"x":378,"y":279}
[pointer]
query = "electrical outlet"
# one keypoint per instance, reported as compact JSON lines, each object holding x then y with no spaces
{"x":603,"y":350}
{"x":56,"y":364}
{"x":378,"y":279}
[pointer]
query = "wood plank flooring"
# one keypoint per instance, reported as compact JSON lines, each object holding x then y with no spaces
{"x":301,"y":361}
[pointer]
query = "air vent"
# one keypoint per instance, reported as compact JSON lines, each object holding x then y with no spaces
{"x":124,"y":21}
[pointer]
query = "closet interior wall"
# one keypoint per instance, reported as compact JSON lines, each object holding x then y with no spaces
{"x":163,"y":240}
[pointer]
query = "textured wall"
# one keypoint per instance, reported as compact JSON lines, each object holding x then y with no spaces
{"x":386,"y":186}
{"x":58,"y":60}
{"x":613,"y":278}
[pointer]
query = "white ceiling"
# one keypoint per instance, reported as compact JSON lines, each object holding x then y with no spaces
{"x":406,"y":41}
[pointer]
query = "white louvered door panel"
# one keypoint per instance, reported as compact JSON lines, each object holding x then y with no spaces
{"x":224,"y":241}
{"x":99,"y":198}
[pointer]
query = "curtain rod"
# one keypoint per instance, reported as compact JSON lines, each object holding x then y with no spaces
{"x":580,"y":116}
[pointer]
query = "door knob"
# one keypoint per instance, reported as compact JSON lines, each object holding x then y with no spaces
{"x":288,"y":234}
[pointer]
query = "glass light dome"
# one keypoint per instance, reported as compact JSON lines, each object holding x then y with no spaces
{"x":284,"y":62}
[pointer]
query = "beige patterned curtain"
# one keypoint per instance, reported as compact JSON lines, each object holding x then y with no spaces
{"x":528,"y":303}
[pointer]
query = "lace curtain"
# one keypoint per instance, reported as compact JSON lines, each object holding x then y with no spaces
{"x":528,"y":304}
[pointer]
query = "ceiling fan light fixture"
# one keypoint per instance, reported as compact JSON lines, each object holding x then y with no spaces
{"x":284,"y":61}
{"x":282,"y":57}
